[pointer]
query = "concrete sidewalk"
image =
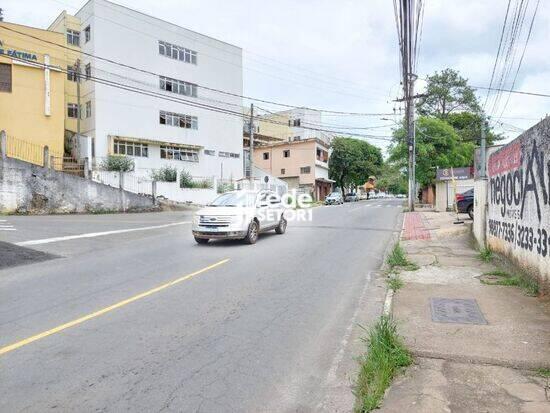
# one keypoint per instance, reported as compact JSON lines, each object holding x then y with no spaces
{"x":467,"y":361}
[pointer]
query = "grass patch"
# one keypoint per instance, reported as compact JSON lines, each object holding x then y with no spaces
{"x":544,"y":373}
{"x":386,"y":356}
{"x":398,"y":258}
{"x":498,"y":273}
{"x":485,"y":255}
{"x":529,"y":286}
{"x":395,"y":282}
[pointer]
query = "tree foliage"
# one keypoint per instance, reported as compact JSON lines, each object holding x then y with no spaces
{"x":393,"y":179}
{"x":438,"y":145}
{"x":446,"y":93}
{"x":352,"y":161}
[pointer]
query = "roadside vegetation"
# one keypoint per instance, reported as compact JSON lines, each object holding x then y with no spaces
{"x":165,"y":174}
{"x":187,"y":181}
{"x":398,"y":259}
{"x":544,"y":373}
{"x":385,"y":357}
{"x":394,"y":282}
{"x":485,"y":255}
{"x":499,"y":277}
{"x":118,"y":163}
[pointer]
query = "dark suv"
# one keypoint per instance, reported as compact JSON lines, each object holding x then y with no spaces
{"x":465,"y":203}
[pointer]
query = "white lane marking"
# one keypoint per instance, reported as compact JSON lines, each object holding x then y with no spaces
{"x":8,"y":229}
{"x":96,"y":234}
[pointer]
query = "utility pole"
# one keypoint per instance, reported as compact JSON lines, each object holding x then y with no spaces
{"x":483,"y":150}
{"x":251,"y":140}
{"x":77,"y":71}
{"x":411,"y":141}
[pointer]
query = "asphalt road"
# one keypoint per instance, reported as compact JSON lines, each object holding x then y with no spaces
{"x":267,"y":327}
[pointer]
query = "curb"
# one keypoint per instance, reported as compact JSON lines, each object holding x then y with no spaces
{"x":388,"y":301}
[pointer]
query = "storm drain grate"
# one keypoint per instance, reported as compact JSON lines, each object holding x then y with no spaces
{"x":456,"y":310}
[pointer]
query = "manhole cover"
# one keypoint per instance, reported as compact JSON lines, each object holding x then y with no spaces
{"x":456,"y":310}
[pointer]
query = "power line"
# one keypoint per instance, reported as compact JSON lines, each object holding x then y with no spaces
{"x":520,"y":92}
{"x":200,"y":86}
{"x":117,"y":8}
{"x":240,"y":115}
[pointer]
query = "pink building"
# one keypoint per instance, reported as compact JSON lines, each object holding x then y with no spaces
{"x":303,"y":164}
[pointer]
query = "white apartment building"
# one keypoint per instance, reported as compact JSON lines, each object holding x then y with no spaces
{"x":166,"y":123}
{"x":304,"y":124}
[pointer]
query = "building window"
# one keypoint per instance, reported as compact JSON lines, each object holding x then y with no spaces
{"x":286,"y":153}
{"x":178,"y":86}
{"x":178,"y":154}
{"x":87,"y":34}
{"x":305,"y":170}
{"x":179,"y":120}
{"x":295,"y":122}
{"x":88,"y":71}
{"x":322,"y":155}
{"x":72,"y":110}
{"x":122,"y":147}
{"x":5,"y":77}
{"x":71,"y":74}
{"x":229,"y":154}
{"x":177,"y":52}
{"x":210,"y":152}
{"x":297,"y":138}
{"x":283,"y":171}
{"x":89,"y":109}
{"x":73,"y":37}
{"x":266,"y":156}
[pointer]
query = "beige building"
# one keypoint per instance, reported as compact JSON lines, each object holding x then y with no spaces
{"x":31,"y":92}
{"x":302,"y":164}
{"x":72,"y":38}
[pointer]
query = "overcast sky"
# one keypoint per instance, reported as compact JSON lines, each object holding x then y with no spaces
{"x":343,"y":55}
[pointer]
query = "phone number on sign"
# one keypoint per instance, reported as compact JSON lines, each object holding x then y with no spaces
{"x":525,"y":237}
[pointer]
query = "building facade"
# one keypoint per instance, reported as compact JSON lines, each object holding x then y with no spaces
{"x":31,"y":91}
{"x":303,"y":164}
{"x":149,"y":91}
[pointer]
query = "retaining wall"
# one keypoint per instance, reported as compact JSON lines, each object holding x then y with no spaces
{"x":518,"y":201}
{"x":27,"y":188}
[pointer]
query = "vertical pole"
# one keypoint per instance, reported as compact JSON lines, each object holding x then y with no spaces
{"x":251,"y":150}
{"x":3,"y":144}
{"x":47,"y":88}
{"x":77,"y":71}
{"x":483,"y":151}
{"x":411,"y":140}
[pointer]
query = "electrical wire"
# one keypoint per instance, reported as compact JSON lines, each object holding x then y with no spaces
{"x":198,"y":85}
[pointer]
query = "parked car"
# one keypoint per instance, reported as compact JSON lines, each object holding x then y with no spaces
{"x":351,"y":197}
{"x":401,"y":196}
{"x":334,"y":198}
{"x":239,"y":215}
{"x":465,"y":203}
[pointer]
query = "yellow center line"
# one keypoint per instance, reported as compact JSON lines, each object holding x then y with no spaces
{"x":18,"y":344}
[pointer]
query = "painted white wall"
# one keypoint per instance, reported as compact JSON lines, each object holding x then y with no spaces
{"x":127,"y":36}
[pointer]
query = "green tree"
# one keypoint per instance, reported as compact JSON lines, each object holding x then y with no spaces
{"x":437,"y":146}
{"x":393,"y":179}
{"x":468,"y":127}
{"x":352,"y":161}
{"x":446,"y":93}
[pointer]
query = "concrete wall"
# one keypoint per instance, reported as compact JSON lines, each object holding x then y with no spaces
{"x":518,"y":214}
{"x":26,"y":188}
